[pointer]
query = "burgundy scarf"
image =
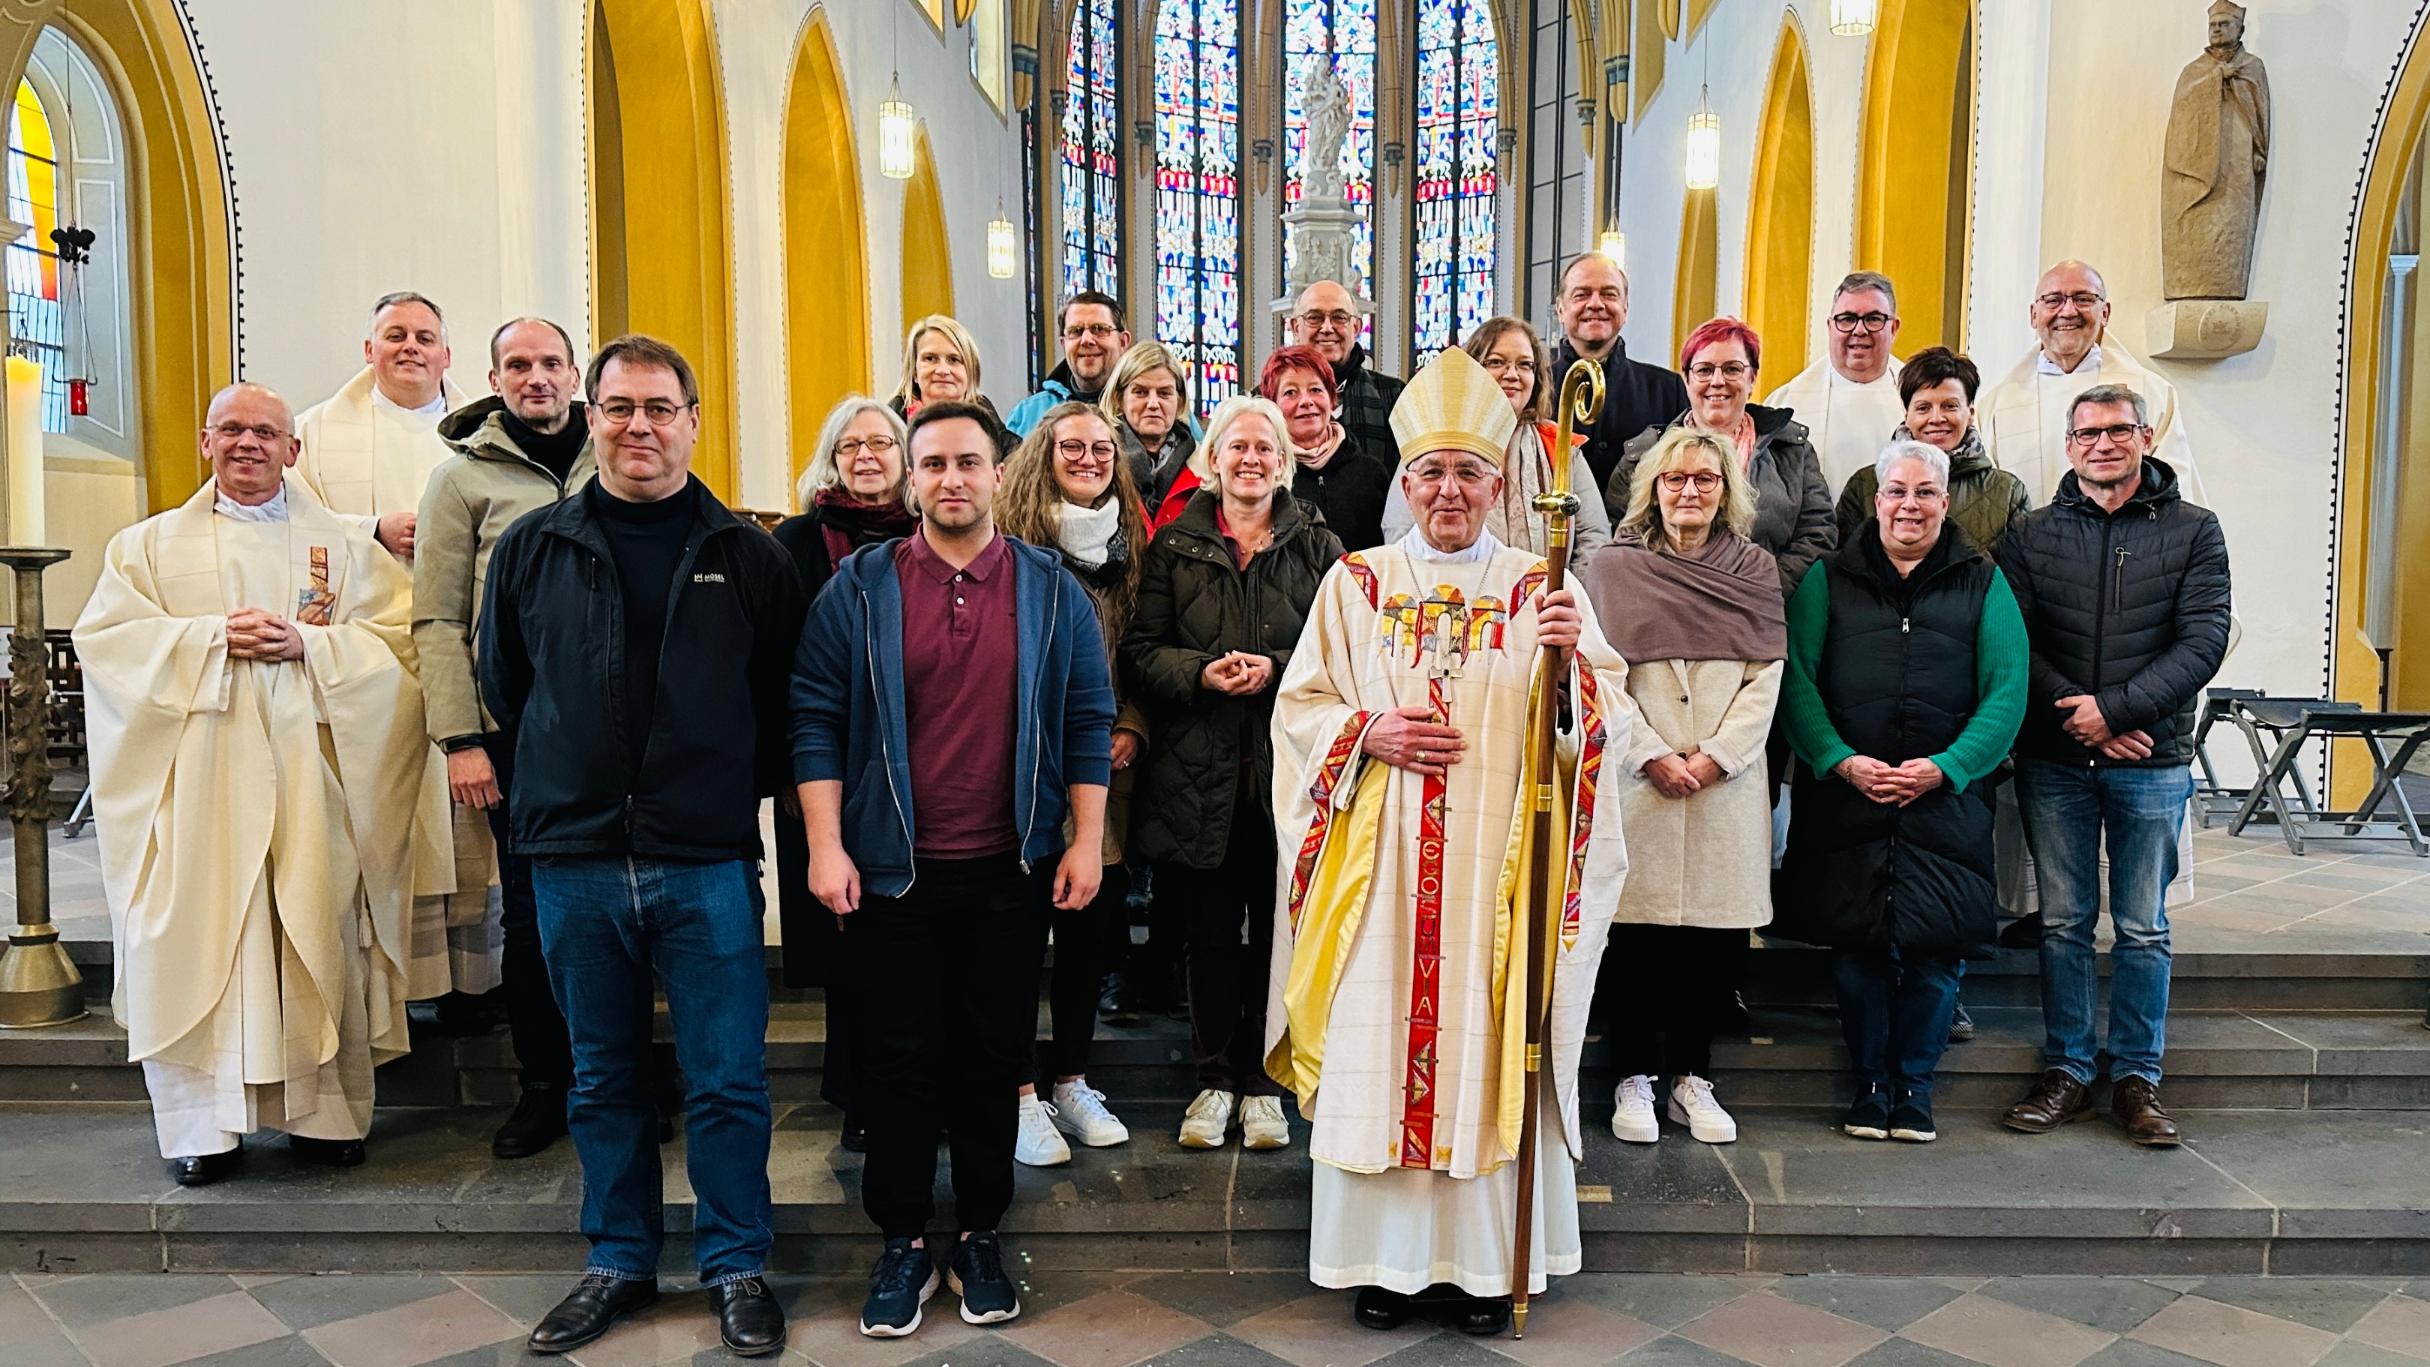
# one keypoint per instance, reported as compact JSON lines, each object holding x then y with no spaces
{"x":848,"y":524}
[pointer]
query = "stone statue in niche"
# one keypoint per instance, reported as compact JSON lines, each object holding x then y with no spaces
{"x":2217,"y":152}
{"x":1328,"y":104}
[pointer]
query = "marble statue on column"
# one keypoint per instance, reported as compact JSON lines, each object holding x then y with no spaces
{"x":2210,"y":196}
{"x":1322,"y":227}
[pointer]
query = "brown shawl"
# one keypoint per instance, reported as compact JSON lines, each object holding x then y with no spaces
{"x":1720,"y":601}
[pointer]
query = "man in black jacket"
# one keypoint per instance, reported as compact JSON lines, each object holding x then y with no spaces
{"x":1593,"y":307}
{"x":635,"y":651}
{"x":1328,"y":317}
{"x":2124,"y":587}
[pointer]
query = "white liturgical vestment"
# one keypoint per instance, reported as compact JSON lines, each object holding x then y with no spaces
{"x":363,"y":458}
{"x":2024,"y":418}
{"x":1849,"y":423}
{"x":254,"y":816}
{"x":1394,"y":1013}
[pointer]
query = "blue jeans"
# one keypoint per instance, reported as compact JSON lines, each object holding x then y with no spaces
{"x":607,"y":926}
{"x":1894,"y":1012}
{"x":2069,"y":809}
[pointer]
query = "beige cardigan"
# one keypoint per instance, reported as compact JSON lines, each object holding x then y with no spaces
{"x":1706,"y":859}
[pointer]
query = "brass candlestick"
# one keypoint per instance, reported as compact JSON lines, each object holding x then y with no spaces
{"x":39,"y":985}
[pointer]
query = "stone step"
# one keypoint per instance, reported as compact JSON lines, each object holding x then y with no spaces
{"x":2294,"y":1193}
{"x":2354,"y":1060}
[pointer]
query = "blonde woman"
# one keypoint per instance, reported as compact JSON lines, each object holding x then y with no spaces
{"x":940,"y":365}
{"x":1067,"y":489}
{"x":1147,"y":399}
{"x":1695,"y":609}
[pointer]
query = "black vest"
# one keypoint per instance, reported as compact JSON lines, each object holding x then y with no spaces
{"x":1897,"y":675}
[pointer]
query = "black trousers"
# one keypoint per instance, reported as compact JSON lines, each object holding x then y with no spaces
{"x":1084,"y":943}
{"x":533,"y":1021}
{"x":1662,"y":989}
{"x":1228,"y":916}
{"x":945,"y":998}
{"x":813,"y":956}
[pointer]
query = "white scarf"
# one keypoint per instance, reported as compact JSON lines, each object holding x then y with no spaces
{"x":1087,"y":532}
{"x":1414,"y":542}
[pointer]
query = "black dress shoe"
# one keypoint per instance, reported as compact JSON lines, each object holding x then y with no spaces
{"x":856,"y":1139}
{"x":202,"y":1170}
{"x":1483,"y":1316}
{"x":326,"y":1153}
{"x":586,"y":1314}
{"x":1377,"y":1308}
{"x":537,"y":1121}
{"x":2025,"y":932}
{"x":748,"y":1317}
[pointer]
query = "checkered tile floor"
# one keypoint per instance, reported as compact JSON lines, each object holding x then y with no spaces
{"x":1218,"y":1320}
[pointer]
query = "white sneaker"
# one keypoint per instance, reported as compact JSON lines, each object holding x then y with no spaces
{"x":1633,"y":1114}
{"x":1262,"y":1125}
{"x":1203,"y":1126}
{"x":1035,"y":1142}
{"x":1079,"y":1111}
{"x":1692,"y":1105}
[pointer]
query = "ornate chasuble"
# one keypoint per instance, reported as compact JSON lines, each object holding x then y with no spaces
{"x":256,"y":818}
{"x":1392,"y":1013}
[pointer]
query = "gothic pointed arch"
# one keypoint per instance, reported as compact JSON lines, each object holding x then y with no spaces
{"x":827,"y":324}
{"x":1698,"y":280}
{"x":661,"y":236}
{"x":927,"y":255}
{"x":1780,"y":207}
{"x":1916,"y":157}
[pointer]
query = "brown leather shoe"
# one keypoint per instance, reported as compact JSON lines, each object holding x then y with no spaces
{"x":2136,"y":1103}
{"x":2054,"y":1101}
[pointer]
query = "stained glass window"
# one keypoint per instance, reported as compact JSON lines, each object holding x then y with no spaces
{"x":1343,"y":32}
{"x":33,"y":260}
{"x":1198,"y":192}
{"x":1092,"y":152}
{"x":1458,"y":120}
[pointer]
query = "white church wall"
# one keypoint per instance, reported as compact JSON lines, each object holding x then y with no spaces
{"x":436,"y":146}
{"x":2263,"y":423}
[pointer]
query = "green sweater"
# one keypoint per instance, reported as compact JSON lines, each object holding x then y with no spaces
{"x":2000,"y":654}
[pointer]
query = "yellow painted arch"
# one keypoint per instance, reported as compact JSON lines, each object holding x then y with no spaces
{"x":1780,"y":227}
{"x":827,"y":331}
{"x":1699,"y":267}
{"x":1916,"y":156}
{"x":181,"y":268}
{"x":1647,"y":47}
{"x":662,"y":248}
{"x":927,"y":251}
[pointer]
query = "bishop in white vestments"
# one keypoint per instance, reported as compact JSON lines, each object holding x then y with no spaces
{"x":368,"y":454}
{"x":254,"y":718}
{"x":1401,"y":753}
{"x":1849,"y":399}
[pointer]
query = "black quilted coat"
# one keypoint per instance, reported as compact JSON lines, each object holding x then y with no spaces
{"x":2130,"y":607}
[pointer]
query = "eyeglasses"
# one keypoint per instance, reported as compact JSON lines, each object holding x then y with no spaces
{"x":1100,"y":331}
{"x":1496,"y":365}
{"x":1706,"y":481}
{"x":2119,"y":432}
{"x":621,"y":411}
{"x":1728,"y":370}
{"x":261,"y":432}
{"x":1336,"y":320}
{"x":1859,"y":322}
{"x":1469,"y":474}
{"x":877,"y":446}
{"x":1079,"y":450}
{"x":1922,"y":493}
{"x":2082,"y":299}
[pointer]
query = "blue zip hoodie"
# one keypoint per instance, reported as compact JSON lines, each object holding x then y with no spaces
{"x":849,"y":721}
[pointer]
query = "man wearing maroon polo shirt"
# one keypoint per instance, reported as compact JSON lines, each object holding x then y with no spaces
{"x":951,"y":702}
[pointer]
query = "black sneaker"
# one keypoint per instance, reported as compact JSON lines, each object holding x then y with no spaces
{"x":1869,"y":1115}
{"x":977,"y":1276}
{"x":899,"y":1285}
{"x":1911,"y":1118}
{"x":1961,"y":1026}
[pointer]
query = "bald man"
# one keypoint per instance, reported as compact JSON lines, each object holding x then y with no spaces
{"x":1329,"y":317}
{"x":257,"y":753}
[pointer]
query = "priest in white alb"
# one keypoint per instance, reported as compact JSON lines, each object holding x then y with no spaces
{"x":368,"y":454}
{"x":1849,"y":399}
{"x":2024,"y":417}
{"x":254,"y":719}
{"x":1401,"y":756}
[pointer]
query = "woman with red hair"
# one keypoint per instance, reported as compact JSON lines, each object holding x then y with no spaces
{"x":1332,"y":473}
{"x":1793,"y":517}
